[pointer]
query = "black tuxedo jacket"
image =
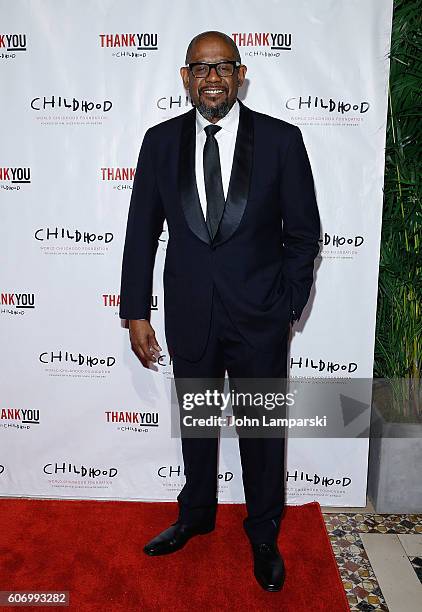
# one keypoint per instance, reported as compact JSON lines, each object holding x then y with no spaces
{"x":261,"y":259}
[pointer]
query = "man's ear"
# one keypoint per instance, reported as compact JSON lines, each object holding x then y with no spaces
{"x":184,"y":73}
{"x":241,"y":74}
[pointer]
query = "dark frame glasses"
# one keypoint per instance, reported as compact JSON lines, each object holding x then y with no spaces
{"x":221,"y":71}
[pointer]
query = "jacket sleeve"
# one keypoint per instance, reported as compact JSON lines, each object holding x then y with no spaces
{"x":144,"y":226}
{"x":301,"y":223}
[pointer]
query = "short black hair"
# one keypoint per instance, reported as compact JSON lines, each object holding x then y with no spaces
{"x":202,"y":35}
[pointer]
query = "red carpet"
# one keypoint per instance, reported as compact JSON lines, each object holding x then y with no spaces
{"x":94,"y":550}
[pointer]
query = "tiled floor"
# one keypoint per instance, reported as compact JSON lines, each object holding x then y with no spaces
{"x":379,"y":557}
{"x":417,"y":566}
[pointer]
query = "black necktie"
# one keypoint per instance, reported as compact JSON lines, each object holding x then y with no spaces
{"x":213,"y":180}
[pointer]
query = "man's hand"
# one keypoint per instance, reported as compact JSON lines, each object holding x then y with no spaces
{"x":143,"y":341}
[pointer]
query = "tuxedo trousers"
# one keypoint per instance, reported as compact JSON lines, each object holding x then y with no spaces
{"x":262,"y":458}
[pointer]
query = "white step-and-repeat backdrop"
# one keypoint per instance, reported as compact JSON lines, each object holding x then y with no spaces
{"x":81,"y":81}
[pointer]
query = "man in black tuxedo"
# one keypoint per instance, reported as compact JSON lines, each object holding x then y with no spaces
{"x":236,"y":189}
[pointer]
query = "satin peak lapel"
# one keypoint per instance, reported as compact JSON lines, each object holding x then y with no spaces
{"x":240,"y":178}
{"x":187,"y":180}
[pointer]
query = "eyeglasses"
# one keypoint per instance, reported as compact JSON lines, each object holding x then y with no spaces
{"x":223,"y":69}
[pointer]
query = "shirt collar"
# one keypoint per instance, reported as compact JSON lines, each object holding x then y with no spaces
{"x":229,"y":122}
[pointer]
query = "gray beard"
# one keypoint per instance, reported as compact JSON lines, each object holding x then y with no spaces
{"x":213,"y":112}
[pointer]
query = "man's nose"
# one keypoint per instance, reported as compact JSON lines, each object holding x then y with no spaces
{"x":213,"y":74}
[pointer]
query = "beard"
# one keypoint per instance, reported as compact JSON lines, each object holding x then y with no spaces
{"x":213,"y":112}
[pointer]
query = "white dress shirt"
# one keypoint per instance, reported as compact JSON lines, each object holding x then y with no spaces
{"x":226,"y":138}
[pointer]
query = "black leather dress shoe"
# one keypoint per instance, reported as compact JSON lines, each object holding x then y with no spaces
{"x":174,"y":538}
{"x":268,"y":566}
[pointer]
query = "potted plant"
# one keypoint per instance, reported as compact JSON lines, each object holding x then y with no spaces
{"x":395,"y":456}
